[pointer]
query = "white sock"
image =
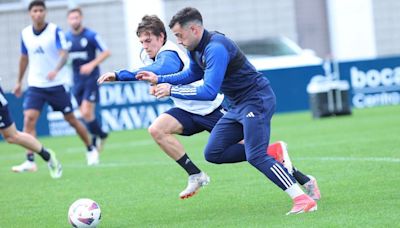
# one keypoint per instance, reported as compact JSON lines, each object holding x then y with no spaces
{"x":294,"y":191}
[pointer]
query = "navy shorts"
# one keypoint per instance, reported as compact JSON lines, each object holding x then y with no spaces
{"x":5,"y":117}
{"x":57,"y":97}
{"x":86,"y":89}
{"x":193,"y":123}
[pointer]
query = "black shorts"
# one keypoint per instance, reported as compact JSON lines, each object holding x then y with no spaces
{"x":193,"y":123}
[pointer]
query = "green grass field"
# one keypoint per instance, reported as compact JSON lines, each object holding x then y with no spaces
{"x":356,"y":160}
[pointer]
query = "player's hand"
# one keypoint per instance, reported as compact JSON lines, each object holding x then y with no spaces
{"x":163,"y":90}
{"x":107,"y":77}
{"x":147,"y":76}
{"x":152,"y":90}
{"x":86,"y":69}
{"x":17,"y":91}
{"x":52,"y":75}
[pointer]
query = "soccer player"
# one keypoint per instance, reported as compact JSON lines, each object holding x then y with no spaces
{"x":83,"y":43}
{"x":12,"y":135}
{"x":223,"y":67}
{"x":188,"y":117}
{"x":43,"y":46}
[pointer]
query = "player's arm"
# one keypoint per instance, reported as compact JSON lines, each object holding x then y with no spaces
{"x":23,"y":64}
{"x":87,"y":68}
{"x":61,"y":45}
{"x":217,"y":59}
{"x":194,"y":73}
{"x":167,"y":62}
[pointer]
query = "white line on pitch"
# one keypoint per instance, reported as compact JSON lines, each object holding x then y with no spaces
{"x":135,"y":163}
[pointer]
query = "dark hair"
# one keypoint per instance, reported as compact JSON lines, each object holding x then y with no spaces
{"x":36,"y":3}
{"x":151,"y":24}
{"x":77,"y":9}
{"x":186,"y":15}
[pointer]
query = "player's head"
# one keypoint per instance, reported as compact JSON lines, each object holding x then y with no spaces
{"x":187,"y":26}
{"x":152,"y":34}
{"x":74,"y":18}
{"x":37,"y":11}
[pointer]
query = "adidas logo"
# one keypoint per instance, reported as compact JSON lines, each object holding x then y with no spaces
{"x":187,"y":161}
{"x":39,"y":50}
{"x":250,"y":114}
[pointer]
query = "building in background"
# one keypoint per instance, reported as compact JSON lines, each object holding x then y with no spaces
{"x":343,"y":29}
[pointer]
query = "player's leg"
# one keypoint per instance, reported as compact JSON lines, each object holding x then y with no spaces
{"x":60,"y":101}
{"x":223,"y":146}
{"x":279,"y":151}
{"x":87,"y":99}
{"x":163,"y":130}
{"x":13,"y":136}
{"x":256,"y":126}
{"x":92,"y":155}
{"x":32,"y":105}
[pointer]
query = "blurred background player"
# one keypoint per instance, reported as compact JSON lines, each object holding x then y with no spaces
{"x":83,"y":43}
{"x":186,"y":118}
{"x":13,"y":136}
{"x":223,"y":66}
{"x":43,"y":46}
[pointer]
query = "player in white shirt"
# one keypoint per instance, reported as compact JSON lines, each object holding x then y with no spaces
{"x":43,"y":47}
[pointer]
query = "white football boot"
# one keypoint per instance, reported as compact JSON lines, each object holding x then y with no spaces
{"x":26,"y":166}
{"x":195,"y":182}
{"x":54,"y":165}
{"x":92,"y":157}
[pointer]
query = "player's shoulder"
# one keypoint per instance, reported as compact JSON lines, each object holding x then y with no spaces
{"x":28,"y":29}
{"x":54,"y":27}
{"x":89,"y":33}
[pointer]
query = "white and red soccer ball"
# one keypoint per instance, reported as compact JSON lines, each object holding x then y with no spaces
{"x":84,"y":213}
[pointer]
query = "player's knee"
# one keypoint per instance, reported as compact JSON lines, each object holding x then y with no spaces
{"x":212,"y":156}
{"x":29,"y":119}
{"x":213,"y":159}
{"x":87,"y":115}
{"x":155,"y":132}
{"x":11,"y":138}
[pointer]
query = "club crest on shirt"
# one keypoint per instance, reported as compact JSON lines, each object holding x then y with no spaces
{"x":83,"y":42}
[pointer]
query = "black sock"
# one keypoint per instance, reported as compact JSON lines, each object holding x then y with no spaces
{"x":30,"y":157}
{"x":90,"y":148}
{"x":44,"y":154}
{"x":188,"y":165}
{"x":300,"y":177}
{"x":94,"y":140}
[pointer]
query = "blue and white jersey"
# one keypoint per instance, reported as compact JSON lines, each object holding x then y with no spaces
{"x":42,"y":50}
{"x":163,"y":64}
{"x":223,"y":67}
{"x":82,"y":49}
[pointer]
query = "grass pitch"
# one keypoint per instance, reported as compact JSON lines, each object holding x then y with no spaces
{"x":356,"y":160}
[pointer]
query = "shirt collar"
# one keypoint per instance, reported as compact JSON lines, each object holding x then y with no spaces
{"x":203,"y":42}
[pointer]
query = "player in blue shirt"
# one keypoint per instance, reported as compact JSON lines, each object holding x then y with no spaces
{"x":12,"y":135}
{"x":223,"y":66}
{"x":83,"y":44}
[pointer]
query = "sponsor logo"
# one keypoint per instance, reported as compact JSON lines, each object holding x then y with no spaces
{"x":375,"y":87}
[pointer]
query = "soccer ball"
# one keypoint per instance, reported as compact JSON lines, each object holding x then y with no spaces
{"x":84,"y":213}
